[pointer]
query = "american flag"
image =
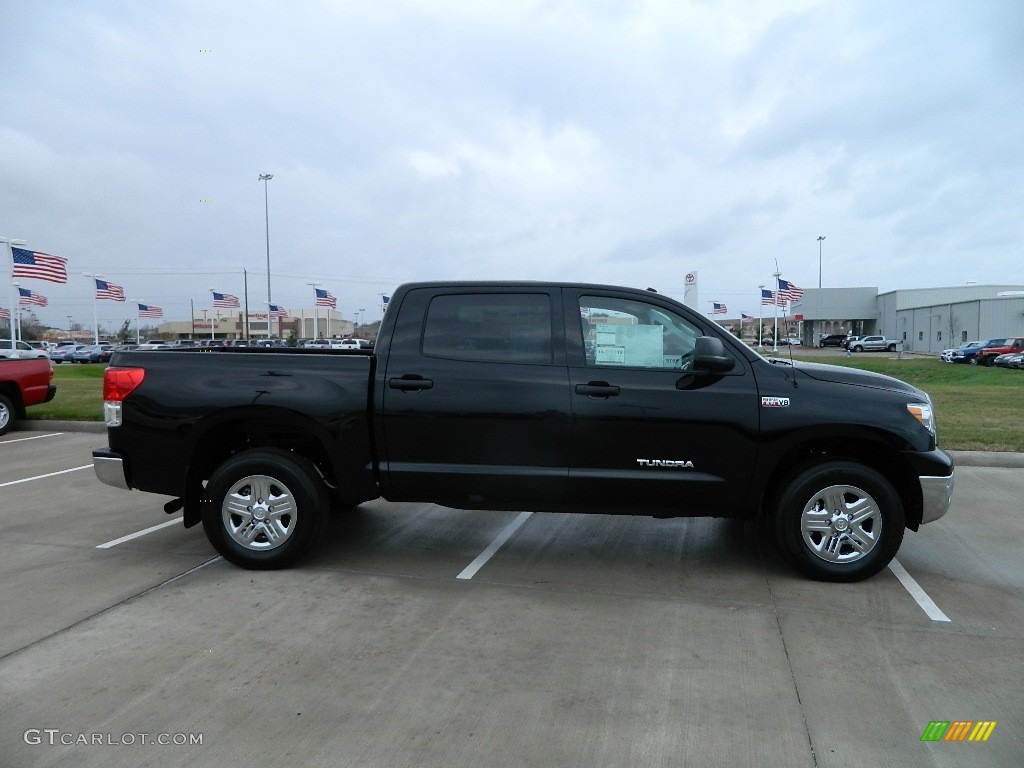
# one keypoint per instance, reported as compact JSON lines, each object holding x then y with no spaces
{"x":744,"y":318}
{"x":788,"y":291}
{"x":719,"y":309}
{"x":767,"y":297}
{"x":225,"y":300}
{"x":385,"y":299}
{"x":5,"y":314}
{"x":109,"y":291}
{"x":148,"y":310}
{"x":41,"y":266}
{"x":325,"y":299}
{"x":28,"y":297}
{"x":276,"y":311}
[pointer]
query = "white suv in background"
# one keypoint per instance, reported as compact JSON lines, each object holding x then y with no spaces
{"x":21,"y":351}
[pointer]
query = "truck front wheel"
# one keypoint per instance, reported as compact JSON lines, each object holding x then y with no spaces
{"x":264,"y":508}
{"x":838,"y":521}
{"x":6,"y":414}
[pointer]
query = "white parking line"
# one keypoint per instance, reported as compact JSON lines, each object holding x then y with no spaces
{"x":49,"y":474}
{"x":470,"y":570}
{"x":37,"y":437}
{"x":927,"y":604}
{"x":137,"y":534}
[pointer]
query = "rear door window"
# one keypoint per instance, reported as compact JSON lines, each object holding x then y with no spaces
{"x":490,"y":327}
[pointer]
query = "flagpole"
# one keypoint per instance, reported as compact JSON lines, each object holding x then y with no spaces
{"x":11,"y":293}
{"x":775,"y":340}
{"x":760,"y":316}
{"x":316,"y":315}
{"x":245,"y":285}
{"x":95,"y":316}
{"x":138,"y":323}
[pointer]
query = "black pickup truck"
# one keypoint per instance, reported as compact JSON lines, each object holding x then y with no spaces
{"x":529,"y":396}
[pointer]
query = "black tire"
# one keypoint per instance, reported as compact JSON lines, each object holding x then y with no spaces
{"x":856,"y":539}
{"x":858,"y":348}
{"x":269,"y":477}
{"x":6,"y":414}
{"x":891,"y":348}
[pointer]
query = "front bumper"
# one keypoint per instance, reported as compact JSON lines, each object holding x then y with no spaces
{"x":110,"y":468}
{"x":936,"y":496}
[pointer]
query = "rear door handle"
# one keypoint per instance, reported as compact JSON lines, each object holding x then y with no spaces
{"x":410,"y":382}
{"x":597,"y":389}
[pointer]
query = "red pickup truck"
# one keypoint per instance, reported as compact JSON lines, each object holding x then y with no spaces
{"x":989,"y":353}
{"x":23,"y":383}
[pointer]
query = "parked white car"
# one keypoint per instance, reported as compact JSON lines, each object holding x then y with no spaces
{"x":947,"y":354}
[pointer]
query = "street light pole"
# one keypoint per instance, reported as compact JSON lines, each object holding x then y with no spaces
{"x":265,"y":177}
{"x":820,"y":238}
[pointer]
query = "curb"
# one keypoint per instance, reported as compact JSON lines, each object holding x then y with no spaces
{"x":996,"y":459}
{"x":988,"y":459}
{"x":47,"y":425}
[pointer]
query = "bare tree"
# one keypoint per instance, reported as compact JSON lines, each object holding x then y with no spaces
{"x":954,"y":326}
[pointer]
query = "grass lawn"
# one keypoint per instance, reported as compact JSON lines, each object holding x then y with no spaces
{"x":978,"y":408}
{"x":79,"y":394}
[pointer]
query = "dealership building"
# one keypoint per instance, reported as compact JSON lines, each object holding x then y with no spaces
{"x":325,"y":325}
{"x":925,"y":320}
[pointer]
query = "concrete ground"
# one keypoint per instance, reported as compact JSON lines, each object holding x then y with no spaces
{"x":583,"y":640}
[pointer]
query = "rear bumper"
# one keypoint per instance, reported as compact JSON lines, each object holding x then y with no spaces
{"x":110,"y":468}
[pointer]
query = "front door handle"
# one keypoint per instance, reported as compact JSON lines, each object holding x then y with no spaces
{"x":410,"y":382}
{"x":597,"y":389}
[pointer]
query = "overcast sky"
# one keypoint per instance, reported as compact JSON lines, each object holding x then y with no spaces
{"x":596,"y":140}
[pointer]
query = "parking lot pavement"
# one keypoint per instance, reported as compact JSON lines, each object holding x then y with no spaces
{"x":583,"y":640}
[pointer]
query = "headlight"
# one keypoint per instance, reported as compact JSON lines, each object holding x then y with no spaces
{"x":923,"y":413}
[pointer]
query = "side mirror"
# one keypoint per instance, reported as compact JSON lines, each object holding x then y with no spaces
{"x":710,"y":356}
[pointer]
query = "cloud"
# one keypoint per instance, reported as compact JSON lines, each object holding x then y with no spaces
{"x":604,"y":141}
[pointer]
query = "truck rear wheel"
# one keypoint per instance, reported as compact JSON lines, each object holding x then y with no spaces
{"x":264,"y":508}
{"x":6,"y":415}
{"x":838,"y":521}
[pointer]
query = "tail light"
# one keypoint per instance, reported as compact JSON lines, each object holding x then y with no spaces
{"x":118,"y":383}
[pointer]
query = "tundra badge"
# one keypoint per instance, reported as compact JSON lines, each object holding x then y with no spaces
{"x":677,"y":464}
